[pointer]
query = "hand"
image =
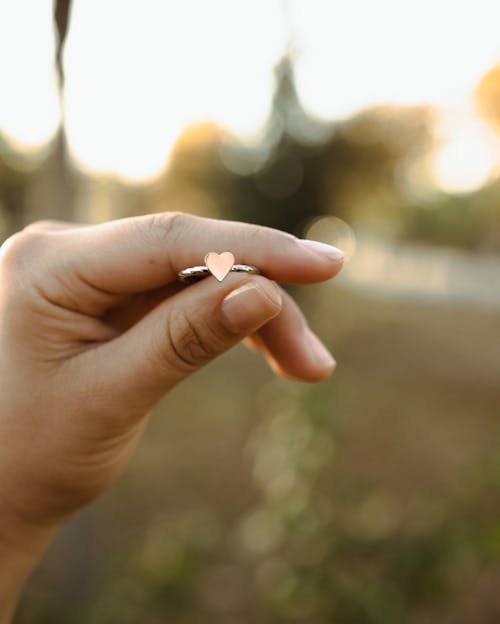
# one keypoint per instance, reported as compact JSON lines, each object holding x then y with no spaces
{"x":84,"y":357}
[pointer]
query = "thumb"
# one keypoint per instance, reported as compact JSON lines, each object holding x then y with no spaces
{"x":181,"y":335}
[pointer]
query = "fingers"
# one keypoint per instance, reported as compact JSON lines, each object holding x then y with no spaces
{"x":144,"y":253}
{"x":179,"y":336}
{"x":290,"y":347}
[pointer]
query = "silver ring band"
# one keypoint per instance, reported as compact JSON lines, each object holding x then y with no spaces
{"x":195,"y":273}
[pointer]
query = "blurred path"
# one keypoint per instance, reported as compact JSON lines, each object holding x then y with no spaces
{"x":422,"y":272}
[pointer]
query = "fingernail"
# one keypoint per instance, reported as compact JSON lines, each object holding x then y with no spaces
{"x":318,"y":349}
{"x":326,"y":251}
{"x":250,"y":305}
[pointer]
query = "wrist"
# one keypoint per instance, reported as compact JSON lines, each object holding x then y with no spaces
{"x":22,"y":545}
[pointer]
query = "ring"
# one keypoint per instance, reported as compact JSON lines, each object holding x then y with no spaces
{"x":219,"y":265}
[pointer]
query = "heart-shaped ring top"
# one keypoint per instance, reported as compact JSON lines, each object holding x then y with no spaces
{"x":219,"y":265}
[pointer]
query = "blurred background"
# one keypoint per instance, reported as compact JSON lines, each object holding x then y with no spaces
{"x":373,"y":496}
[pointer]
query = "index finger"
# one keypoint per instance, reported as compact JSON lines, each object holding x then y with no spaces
{"x":146,"y":252}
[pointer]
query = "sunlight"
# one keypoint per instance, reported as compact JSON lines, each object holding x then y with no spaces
{"x":391,"y":52}
{"x":404,"y":53}
{"x":138,"y":73}
{"x":29,"y":105}
{"x":468,"y":153}
{"x":159,"y":67}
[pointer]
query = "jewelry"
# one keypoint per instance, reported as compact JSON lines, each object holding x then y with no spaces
{"x":219,"y":265}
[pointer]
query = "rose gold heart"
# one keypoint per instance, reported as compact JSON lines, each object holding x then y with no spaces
{"x":219,"y":264}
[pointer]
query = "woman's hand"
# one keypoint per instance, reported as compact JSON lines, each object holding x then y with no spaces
{"x":84,"y":356}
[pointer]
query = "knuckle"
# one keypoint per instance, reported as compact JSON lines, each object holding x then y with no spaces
{"x":189,"y":346}
{"x":18,"y":251}
{"x":166,"y":227}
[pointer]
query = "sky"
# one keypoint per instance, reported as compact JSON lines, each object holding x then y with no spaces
{"x":137,"y":73}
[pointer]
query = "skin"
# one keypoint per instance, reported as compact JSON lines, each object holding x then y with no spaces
{"x":94,"y":330}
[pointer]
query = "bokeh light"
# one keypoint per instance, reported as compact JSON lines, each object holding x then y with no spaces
{"x":334,"y":231}
{"x":468,"y":155}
